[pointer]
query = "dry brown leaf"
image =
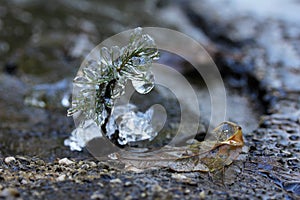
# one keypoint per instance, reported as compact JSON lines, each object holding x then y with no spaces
{"x":207,"y":156}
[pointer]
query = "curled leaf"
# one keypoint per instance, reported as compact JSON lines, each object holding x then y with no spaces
{"x":206,"y":156}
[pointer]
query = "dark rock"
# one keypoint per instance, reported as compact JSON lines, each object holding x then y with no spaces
{"x":11,"y":68}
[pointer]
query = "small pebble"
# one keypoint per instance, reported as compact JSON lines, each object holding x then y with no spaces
{"x":10,"y":193}
{"x":157,"y":188}
{"x":114,"y":156}
{"x":128,"y":198}
{"x":100,"y":184}
{"x":134,"y":169}
{"x":143,"y":195}
{"x":179,"y":176}
{"x":97,"y":195}
{"x":202,"y":195}
{"x":187,"y":191}
{"x":65,"y":161}
{"x":93,"y":164}
{"x":40,"y":162}
{"x":117,"y":180}
{"x":85,"y":166}
{"x":80,"y":162}
{"x":61,"y":177}
{"x":127,"y":183}
{"x":9,"y":159}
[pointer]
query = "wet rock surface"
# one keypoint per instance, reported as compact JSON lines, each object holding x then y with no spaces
{"x":258,"y":55}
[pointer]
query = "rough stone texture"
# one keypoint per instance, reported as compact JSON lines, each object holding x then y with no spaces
{"x":257,"y":52}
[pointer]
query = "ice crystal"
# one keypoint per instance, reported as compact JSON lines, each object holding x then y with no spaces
{"x":133,"y":125}
{"x":82,"y":135}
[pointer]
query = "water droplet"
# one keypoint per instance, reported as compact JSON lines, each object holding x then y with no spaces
{"x":65,"y":100}
{"x":143,"y":86}
{"x":224,"y":131}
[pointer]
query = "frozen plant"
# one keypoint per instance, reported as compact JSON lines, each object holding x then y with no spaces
{"x":103,"y":80}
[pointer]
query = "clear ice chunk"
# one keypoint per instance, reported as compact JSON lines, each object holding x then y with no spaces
{"x":122,"y":109}
{"x":136,"y":126}
{"x":82,"y":135}
{"x":133,"y":126}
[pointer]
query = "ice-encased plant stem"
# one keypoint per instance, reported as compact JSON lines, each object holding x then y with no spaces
{"x":103,"y":80}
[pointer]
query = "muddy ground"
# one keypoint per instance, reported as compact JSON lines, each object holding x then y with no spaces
{"x":255,"y":46}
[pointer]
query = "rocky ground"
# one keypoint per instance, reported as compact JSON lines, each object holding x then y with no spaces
{"x":255,"y":46}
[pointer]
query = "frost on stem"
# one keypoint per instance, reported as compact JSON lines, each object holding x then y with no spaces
{"x":103,"y":80}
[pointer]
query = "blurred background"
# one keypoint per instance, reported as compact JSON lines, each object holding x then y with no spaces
{"x":255,"y":44}
{"x":43,"y":43}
